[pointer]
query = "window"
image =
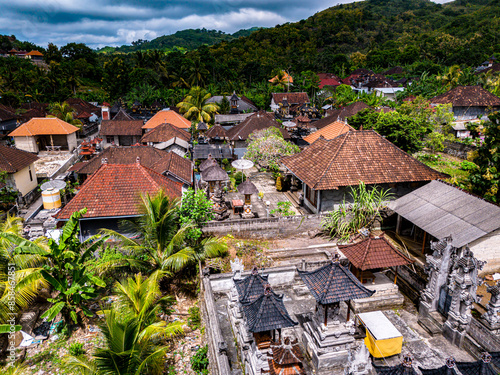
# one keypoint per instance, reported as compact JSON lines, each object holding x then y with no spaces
{"x":110,"y":139}
{"x":311,"y":195}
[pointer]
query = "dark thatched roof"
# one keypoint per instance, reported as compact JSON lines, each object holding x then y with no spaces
{"x":214,"y":173}
{"x":247,"y":188}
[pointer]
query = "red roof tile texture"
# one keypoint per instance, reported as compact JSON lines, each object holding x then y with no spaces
{"x":121,"y":127}
{"x":13,"y":160}
{"x":164,"y":133}
{"x":374,"y":252}
{"x":176,"y":166}
{"x":115,"y":189}
{"x":467,"y":96}
{"x":258,"y":121}
{"x":356,"y":156}
{"x":291,"y":97}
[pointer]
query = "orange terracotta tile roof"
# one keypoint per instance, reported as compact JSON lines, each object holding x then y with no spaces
{"x":164,"y":133}
{"x":44,"y":126}
{"x":355,"y":156}
{"x":374,"y":252}
{"x":115,"y":189}
{"x":329,"y":132}
{"x":13,"y":160}
{"x":167,"y":116}
{"x":34,"y":53}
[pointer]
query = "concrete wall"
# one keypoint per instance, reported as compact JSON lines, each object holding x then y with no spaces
{"x":23,"y":181}
{"x":26,"y":144}
{"x":71,"y":140}
{"x":487,"y":248}
{"x":265,"y":227}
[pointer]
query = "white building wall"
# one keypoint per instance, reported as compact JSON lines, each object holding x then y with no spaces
{"x":26,"y":144}
{"x":487,"y":248}
{"x":23,"y":181}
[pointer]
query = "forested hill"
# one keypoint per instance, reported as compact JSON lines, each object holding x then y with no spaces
{"x":372,"y":33}
{"x":189,"y":39}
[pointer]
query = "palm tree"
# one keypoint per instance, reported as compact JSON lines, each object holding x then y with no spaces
{"x":64,"y":112}
{"x":27,"y":267}
{"x":451,"y":77}
{"x":132,"y":331}
{"x":158,"y":236}
{"x":282,"y":79}
{"x":195,"y":106}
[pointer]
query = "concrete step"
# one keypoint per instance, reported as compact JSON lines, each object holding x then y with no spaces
{"x":430,"y":326}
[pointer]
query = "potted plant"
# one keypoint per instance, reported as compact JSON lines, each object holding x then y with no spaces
{"x":261,"y":195}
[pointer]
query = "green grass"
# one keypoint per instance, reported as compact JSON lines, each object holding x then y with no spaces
{"x":447,"y":164}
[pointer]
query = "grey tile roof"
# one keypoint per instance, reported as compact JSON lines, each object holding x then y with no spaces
{"x":251,"y":287}
{"x":443,"y":210}
{"x":475,"y":368}
{"x":334,"y":283}
{"x":267,"y":313}
{"x":394,"y":370}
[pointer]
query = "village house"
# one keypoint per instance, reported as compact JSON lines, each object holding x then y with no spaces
{"x":167,"y":116}
{"x":168,"y":137}
{"x":8,"y":119}
{"x":34,"y":56}
{"x":48,"y":133}
{"x":327,"y":168}
{"x":113,"y":193}
{"x":328,"y":79}
{"x":281,"y":102}
{"x":439,"y":210}
{"x":468,"y":102}
{"x":231,"y":119}
{"x":342,"y":114}
{"x":238,"y":104}
{"x":122,"y":130}
{"x":20,"y":169}
{"x":239,"y":134}
{"x":166,"y":163}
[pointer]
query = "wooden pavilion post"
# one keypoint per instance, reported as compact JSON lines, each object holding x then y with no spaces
{"x":396,"y":275}
{"x":348,"y":310}
{"x":326,"y":314}
{"x":423,"y":243}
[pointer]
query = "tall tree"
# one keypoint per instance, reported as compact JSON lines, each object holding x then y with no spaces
{"x":194,"y":107}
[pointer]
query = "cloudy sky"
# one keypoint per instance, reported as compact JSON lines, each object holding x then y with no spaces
{"x":100,"y":23}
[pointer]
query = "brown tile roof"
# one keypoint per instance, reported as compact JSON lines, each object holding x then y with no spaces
{"x":125,"y":155}
{"x":374,"y":252}
{"x":121,"y":127}
{"x":13,"y":160}
{"x":344,"y":113}
{"x":44,"y":126}
{"x":80,"y":106}
{"x":167,"y":116}
{"x":355,"y":156}
{"x":291,"y":97}
{"x":122,"y":116}
{"x":216,"y":131}
{"x":331,"y":131}
{"x":164,"y":133}
{"x":287,"y":353}
{"x":393,"y":71}
{"x":176,"y":166}
{"x":77,"y":166}
{"x":6,"y":113}
{"x":114,"y":190}
{"x":258,"y":121}
{"x":467,"y":96}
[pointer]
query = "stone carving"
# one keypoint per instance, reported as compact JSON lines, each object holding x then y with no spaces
{"x":462,"y":287}
{"x":493,"y":308}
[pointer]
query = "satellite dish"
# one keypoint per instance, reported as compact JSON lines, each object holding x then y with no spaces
{"x":54,"y":184}
{"x":242,"y":164}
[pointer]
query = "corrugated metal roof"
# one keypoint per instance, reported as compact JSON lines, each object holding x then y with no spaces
{"x":443,"y":210}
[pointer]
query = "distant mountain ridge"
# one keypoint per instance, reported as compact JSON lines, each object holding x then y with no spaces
{"x":189,"y":39}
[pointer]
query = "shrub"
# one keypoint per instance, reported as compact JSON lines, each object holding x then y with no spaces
{"x":467,"y":166}
{"x":284,"y":209}
{"x":76,"y":349}
{"x":199,"y":362}
{"x":238,"y":178}
{"x":194,"y":319}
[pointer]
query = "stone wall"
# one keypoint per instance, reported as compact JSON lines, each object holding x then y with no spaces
{"x":487,"y":248}
{"x":457,"y":149}
{"x":481,"y":338}
{"x":272,"y":227}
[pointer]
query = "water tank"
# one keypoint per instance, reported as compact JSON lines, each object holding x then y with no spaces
{"x":51,"y":198}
